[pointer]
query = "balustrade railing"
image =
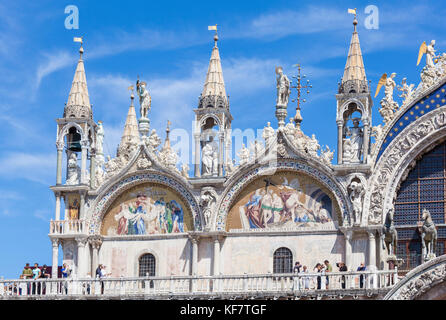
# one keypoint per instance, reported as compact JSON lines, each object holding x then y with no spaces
{"x":68,"y":226}
{"x":297,"y":284}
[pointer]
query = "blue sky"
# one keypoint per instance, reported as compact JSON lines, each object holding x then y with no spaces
{"x":168,"y":45}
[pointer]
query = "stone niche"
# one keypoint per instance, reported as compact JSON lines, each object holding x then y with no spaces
{"x":284,"y":201}
{"x":147,"y":209}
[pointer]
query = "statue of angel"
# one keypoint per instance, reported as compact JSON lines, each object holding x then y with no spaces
{"x":430,"y":53}
{"x":268,"y":134}
{"x":327,"y":155}
{"x":388,"y":105}
{"x":144,"y":98}
{"x":153,"y":140}
{"x":283,"y":87}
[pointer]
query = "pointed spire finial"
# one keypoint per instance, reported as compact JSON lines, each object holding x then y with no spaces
{"x":81,"y":40}
{"x":355,"y":22}
{"x":131,"y":88}
{"x":216,"y":33}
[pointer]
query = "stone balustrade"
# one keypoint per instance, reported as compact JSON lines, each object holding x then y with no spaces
{"x":224,"y":286}
{"x":68,"y":227}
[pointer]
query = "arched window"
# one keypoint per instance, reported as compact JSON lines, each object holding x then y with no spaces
{"x":283,"y":261}
{"x":424,"y":188}
{"x":147,"y":265}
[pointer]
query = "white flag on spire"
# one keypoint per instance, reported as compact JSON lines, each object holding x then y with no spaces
{"x":352,"y":11}
{"x":76,"y":39}
{"x":212,"y":27}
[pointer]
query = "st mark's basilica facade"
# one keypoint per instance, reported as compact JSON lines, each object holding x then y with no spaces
{"x":142,"y":213}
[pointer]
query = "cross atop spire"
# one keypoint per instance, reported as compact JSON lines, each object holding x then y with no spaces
{"x":354,"y":72}
{"x":78,"y":104}
{"x":214,"y":86}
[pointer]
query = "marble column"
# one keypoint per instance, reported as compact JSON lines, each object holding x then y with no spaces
{"x":82,"y":206}
{"x":59,"y":164}
{"x":67,"y":205}
{"x":216,"y":265}
{"x":340,"y":124}
{"x":84,"y":144}
{"x":348,"y":248}
{"x":81,"y":257}
{"x":197,"y":156}
{"x":57,"y":206}
{"x":93,"y":170}
{"x":372,"y":248}
{"x":194,"y":256}
{"x":365,"y":143}
{"x":221,"y":152}
{"x":55,"y":262}
{"x":95,"y":245}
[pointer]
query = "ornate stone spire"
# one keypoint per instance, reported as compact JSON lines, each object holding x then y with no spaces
{"x":354,"y":78}
{"x":131,"y":133}
{"x":78,"y":104}
{"x":214,"y":92}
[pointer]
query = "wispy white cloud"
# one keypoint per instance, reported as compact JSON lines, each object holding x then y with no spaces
{"x":39,"y":168}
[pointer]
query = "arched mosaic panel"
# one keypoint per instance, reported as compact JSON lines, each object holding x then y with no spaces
{"x":147,"y":209}
{"x":105,"y":201}
{"x":231,"y":195}
{"x":285,"y":200}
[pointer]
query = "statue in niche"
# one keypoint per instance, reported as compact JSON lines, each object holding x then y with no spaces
{"x":283,"y":87}
{"x":215,"y":163}
{"x":145,"y":100}
{"x":74,"y":171}
{"x":207,"y":158}
{"x":207,"y":204}
{"x":353,"y":145}
{"x":356,"y":191}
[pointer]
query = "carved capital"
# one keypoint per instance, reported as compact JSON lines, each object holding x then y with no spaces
{"x":81,"y":242}
{"x":55,"y":243}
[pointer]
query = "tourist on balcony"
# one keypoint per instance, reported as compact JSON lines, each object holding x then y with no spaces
{"x":36,"y":275}
{"x":342,"y":268}
{"x":66,"y":272}
{"x":328,"y":268}
{"x":297,"y":267}
{"x":305,"y":279}
{"x":361,"y":277}
{"x":44,"y":275}
{"x":27,"y":273}
{"x":318,"y":269}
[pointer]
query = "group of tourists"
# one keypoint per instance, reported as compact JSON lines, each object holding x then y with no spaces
{"x":324,"y":268}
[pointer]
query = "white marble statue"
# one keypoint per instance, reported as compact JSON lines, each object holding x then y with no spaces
{"x":388,"y":105}
{"x":144,"y":98}
{"x":406,"y":91}
{"x":377,"y":132}
{"x":356,"y":191}
{"x":185,"y":171}
{"x":153,"y":140}
{"x":290,"y":130}
{"x":207,"y":157}
{"x":353,"y":147}
{"x":230,"y":167}
{"x":100,"y":140}
{"x":100,"y":174}
{"x":327,"y":156}
{"x":268,"y":134}
{"x":73,"y":170}
{"x":207,"y":204}
{"x":312,"y":146}
{"x":283,"y":87}
{"x":244,"y":155}
{"x":430,"y":54}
